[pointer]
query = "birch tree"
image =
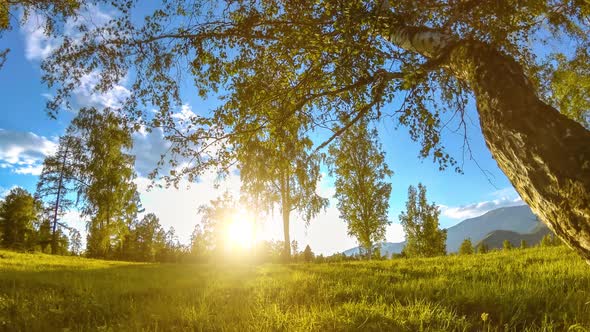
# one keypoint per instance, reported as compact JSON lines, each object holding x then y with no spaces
{"x":277,"y":169}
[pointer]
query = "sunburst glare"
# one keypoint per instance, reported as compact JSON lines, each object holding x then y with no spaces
{"x":240,"y":230}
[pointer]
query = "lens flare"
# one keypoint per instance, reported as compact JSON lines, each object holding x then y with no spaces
{"x":240,"y":230}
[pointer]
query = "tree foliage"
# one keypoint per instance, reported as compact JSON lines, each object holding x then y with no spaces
{"x":482,"y":248}
{"x":358,"y":163}
{"x":277,"y":169}
{"x":420,"y":223}
{"x":466,"y":247}
{"x":145,"y":239}
{"x":18,"y":212}
{"x":308,"y":255}
{"x":53,"y":13}
{"x":331,"y":54}
{"x":215,"y":218}
{"x":110,"y":196}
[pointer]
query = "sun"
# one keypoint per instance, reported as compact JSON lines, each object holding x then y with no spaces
{"x":240,"y":230}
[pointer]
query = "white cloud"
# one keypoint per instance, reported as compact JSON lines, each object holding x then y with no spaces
{"x":185,"y":115}
{"x":5,"y":191}
{"x":86,"y":94}
{"x":30,"y":169}
{"x":39,"y":45}
{"x":504,"y":197}
{"x":73,"y":218}
{"x":148,"y":147}
{"x":23,"y":152}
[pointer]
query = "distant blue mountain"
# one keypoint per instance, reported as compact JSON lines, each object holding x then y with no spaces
{"x":516,"y":219}
{"x":387,"y":248}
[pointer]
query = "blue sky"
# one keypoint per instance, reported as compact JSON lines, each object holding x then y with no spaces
{"x":27,"y":134}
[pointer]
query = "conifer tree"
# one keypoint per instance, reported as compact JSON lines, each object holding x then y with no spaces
{"x":466,"y":247}
{"x":308,"y":254}
{"x":61,"y":178}
{"x":482,"y":248}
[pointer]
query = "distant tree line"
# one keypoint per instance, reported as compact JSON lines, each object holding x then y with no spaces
{"x":467,"y":247}
{"x":24,"y":226}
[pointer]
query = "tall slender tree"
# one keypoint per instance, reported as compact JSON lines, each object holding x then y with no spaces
{"x":363,"y":195}
{"x":420,"y":223}
{"x":349,"y":59}
{"x":276,"y":163}
{"x":59,"y":179}
{"x":276,"y":167}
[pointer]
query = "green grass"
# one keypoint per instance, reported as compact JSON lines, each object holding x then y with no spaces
{"x":544,"y":289}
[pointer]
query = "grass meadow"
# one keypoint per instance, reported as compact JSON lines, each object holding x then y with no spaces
{"x":538,"y":289}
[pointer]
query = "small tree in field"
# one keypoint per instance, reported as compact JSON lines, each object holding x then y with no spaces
{"x":420,"y":222}
{"x":549,"y":241}
{"x":506,"y":245}
{"x":308,"y":254}
{"x":466,"y":247}
{"x":523,"y":244}
{"x":482,"y":249}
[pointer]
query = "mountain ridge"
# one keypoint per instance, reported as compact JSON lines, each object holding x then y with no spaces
{"x":515,"y":219}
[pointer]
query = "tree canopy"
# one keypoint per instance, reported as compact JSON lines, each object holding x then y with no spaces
{"x":420,"y":223}
{"x":18,"y":211}
{"x":110,"y":196}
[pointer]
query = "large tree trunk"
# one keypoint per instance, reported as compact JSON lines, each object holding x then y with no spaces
{"x":545,"y":155}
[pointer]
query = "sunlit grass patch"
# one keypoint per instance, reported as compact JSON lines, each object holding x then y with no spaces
{"x":534,"y":289}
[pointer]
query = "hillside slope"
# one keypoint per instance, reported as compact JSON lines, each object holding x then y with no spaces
{"x":495,"y":239}
{"x":517,"y":219}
